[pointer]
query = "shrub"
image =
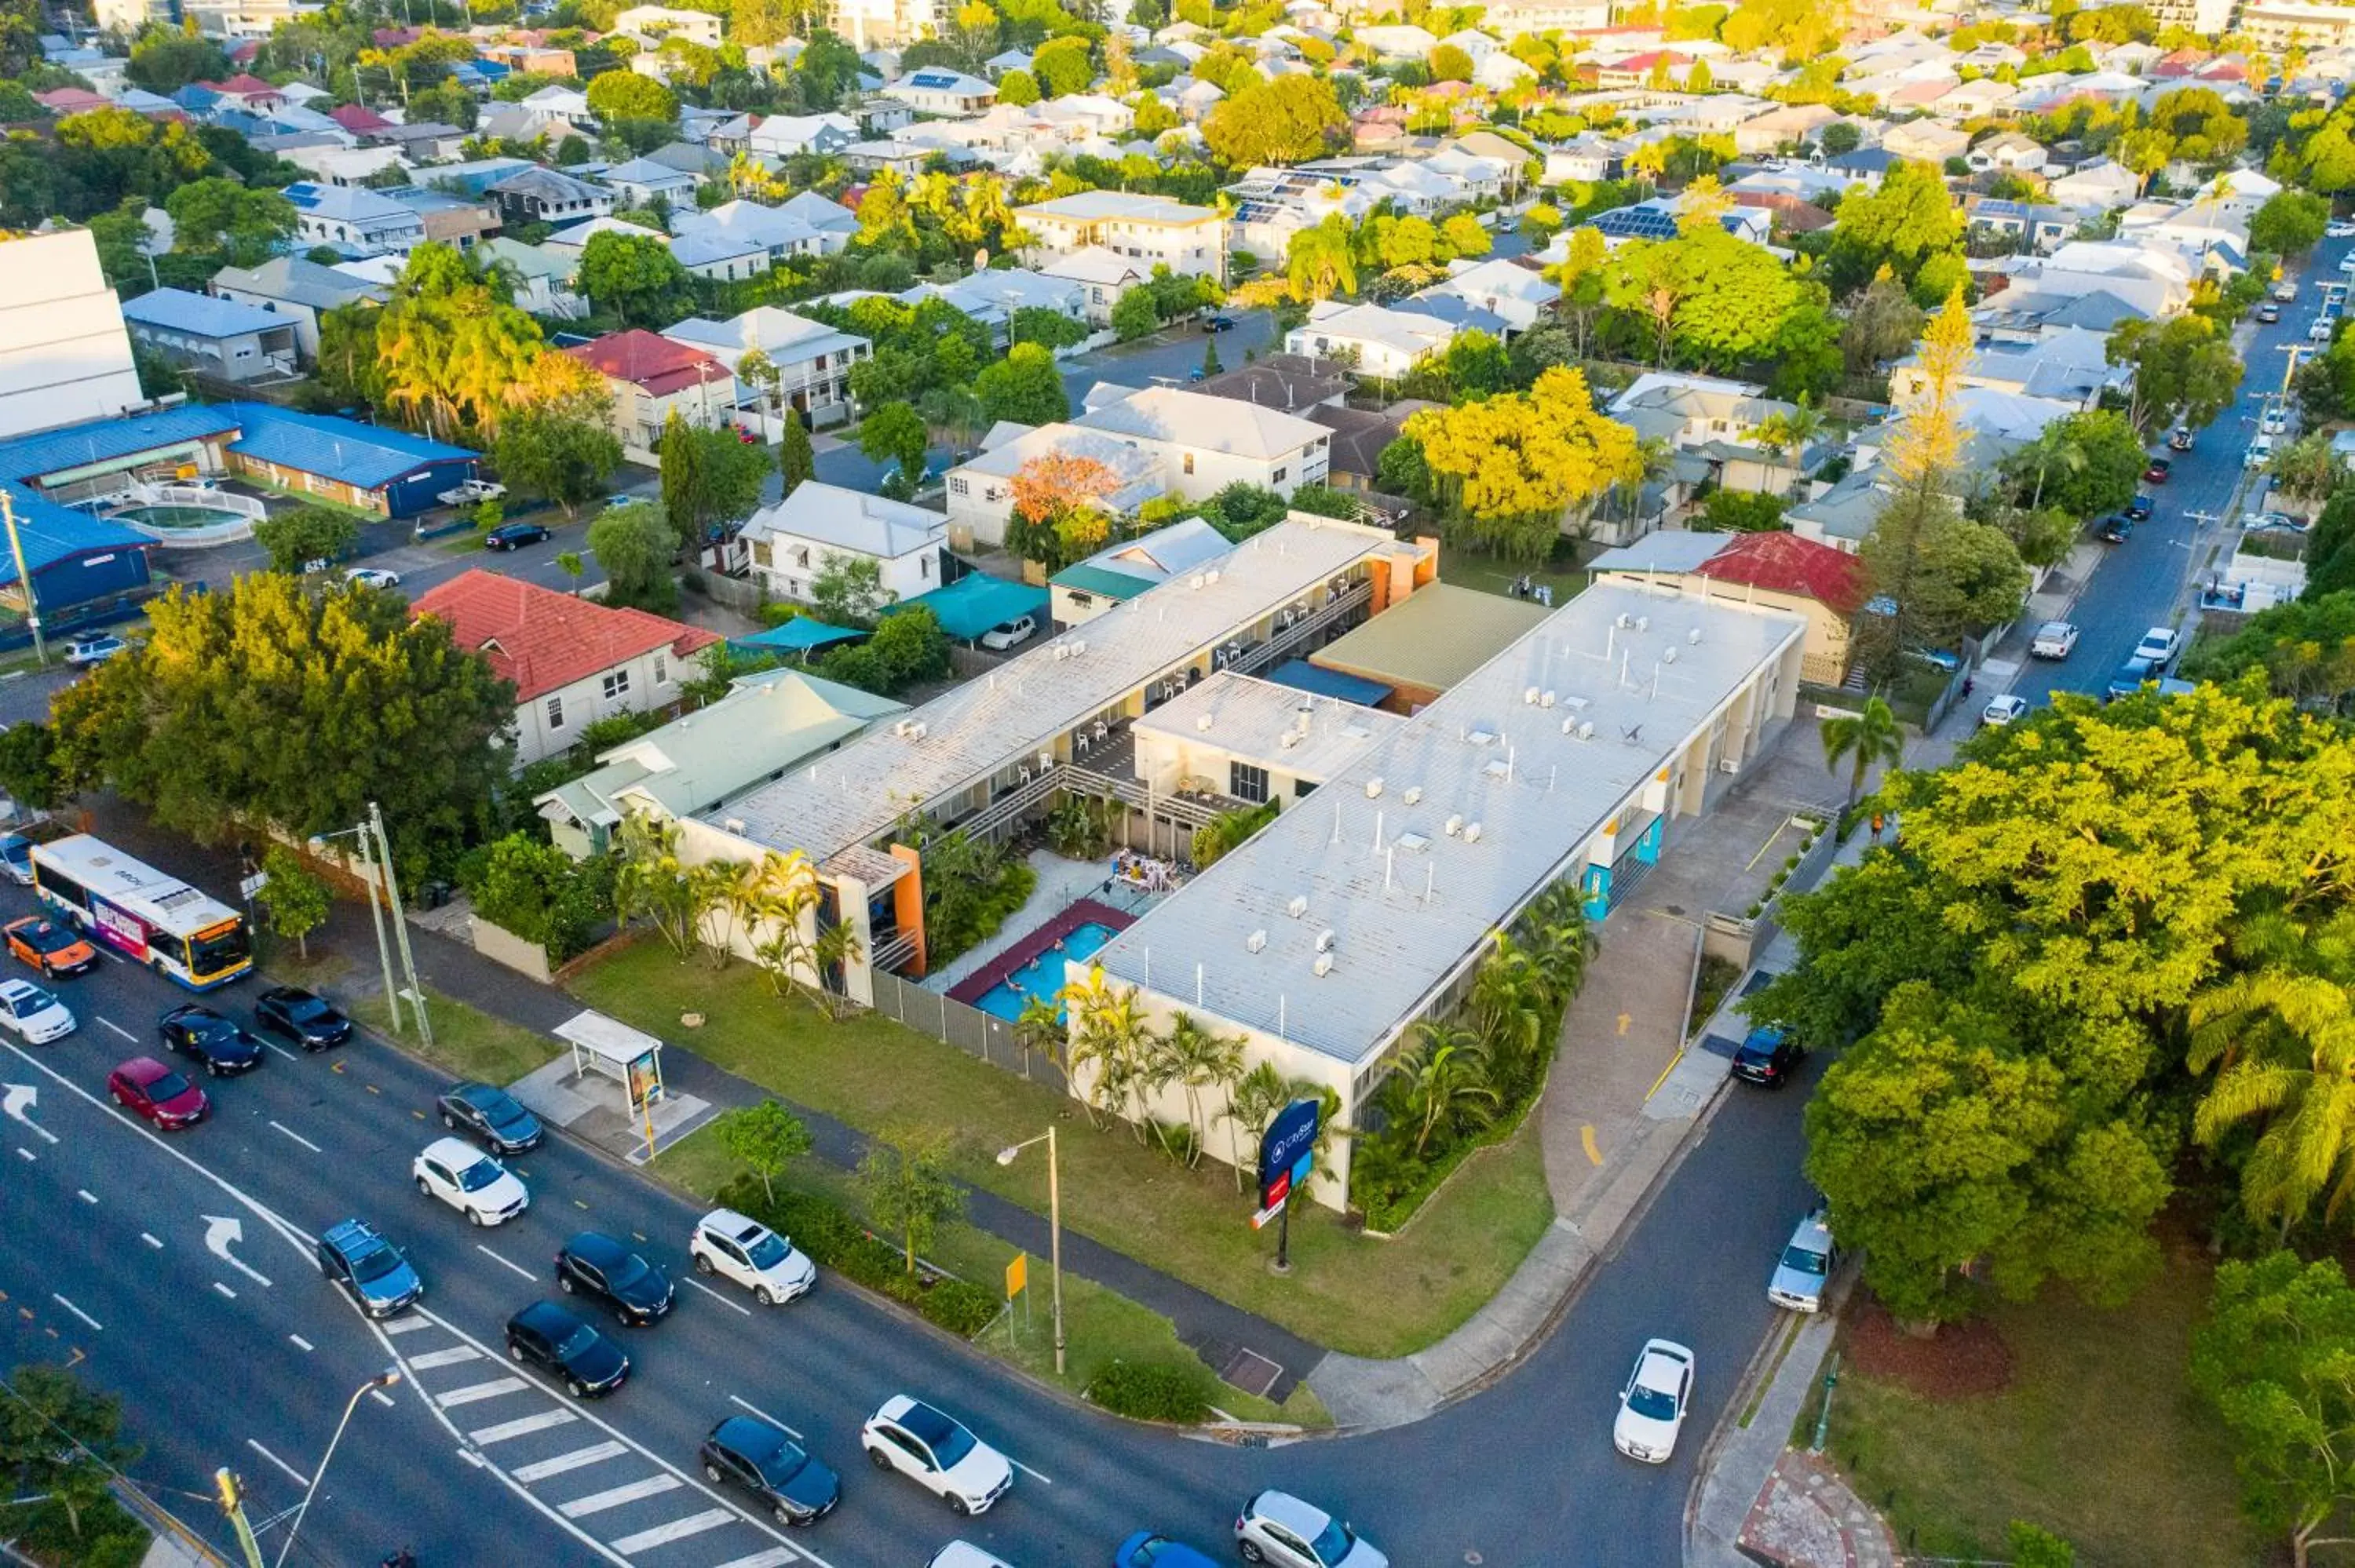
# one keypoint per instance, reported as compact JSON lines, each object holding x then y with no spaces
{"x":1150,"y":1391}
{"x":835,"y":1239}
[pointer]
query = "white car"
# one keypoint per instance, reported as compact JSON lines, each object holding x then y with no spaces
{"x":2002,"y":710}
{"x":1806,"y":1265}
{"x":2054,"y":640}
{"x":2339,"y":230}
{"x":2321,"y":331}
{"x":2347,"y":263}
{"x":937,"y":1451}
{"x":966,"y":1555}
{"x":470,"y":1182}
{"x":2261,"y":451}
{"x":94,"y":648}
{"x":372,"y":577}
{"x":2275,"y":421}
{"x":2284,"y":291}
{"x":2159,"y":646}
{"x":1015,"y":632}
{"x":1276,"y":1526}
{"x":1652,"y":1406}
{"x":736,"y":1247}
{"x":27,"y":1010}
{"x":471,"y":492}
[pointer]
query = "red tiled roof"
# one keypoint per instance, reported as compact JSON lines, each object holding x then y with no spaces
{"x":62,"y":100}
{"x":1786,"y":563}
{"x":1793,"y":213}
{"x":544,"y":640}
{"x":652,"y":361}
{"x":243,"y":86}
{"x":356,"y":118}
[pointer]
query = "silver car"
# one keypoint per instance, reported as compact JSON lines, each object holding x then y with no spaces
{"x":1276,"y":1526}
{"x":1808,"y":1259}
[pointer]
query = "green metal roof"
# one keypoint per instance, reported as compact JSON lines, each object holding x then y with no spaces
{"x":1101,"y":580}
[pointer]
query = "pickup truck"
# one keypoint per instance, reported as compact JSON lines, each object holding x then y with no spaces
{"x":2054,"y":640}
{"x":471,"y":492}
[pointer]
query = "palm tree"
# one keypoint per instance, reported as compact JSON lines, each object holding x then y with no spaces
{"x":1447,"y":1079}
{"x":837,"y":947}
{"x":1108,"y":1036}
{"x":2288,"y":1044}
{"x":770,"y":900}
{"x":1197,"y":1060}
{"x":1871,"y":737}
{"x":1509,"y":1000}
{"x":1038,"y":1027}
{"x":1555,"y":932}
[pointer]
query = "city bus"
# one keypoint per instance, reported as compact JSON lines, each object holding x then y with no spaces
{"x":150,"y":918}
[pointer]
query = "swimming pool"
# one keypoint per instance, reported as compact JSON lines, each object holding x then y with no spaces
{"x":163,"y":517}
{"x":1042,"y":977}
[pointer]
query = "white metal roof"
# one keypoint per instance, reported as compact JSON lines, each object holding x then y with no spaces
{"x":1250,"y":717}
{"x":607,"y":1039}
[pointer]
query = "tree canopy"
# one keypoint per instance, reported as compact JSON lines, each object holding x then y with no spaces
{"x":1289,"y":120}
{"x":1508,"y":466}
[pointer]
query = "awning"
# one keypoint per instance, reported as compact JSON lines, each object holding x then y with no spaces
{"x":972,"y":605}
{"x":800,"y":635}
{"x":1303,"y":676}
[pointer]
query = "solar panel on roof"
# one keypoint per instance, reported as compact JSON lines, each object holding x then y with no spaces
{"x":933,"y":79}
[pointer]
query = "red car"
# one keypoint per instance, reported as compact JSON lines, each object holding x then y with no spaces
{"x":2157,"y":473}
{"x":153,"y":1092}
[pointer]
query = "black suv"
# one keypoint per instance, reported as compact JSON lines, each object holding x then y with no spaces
{"x":547,"y":1335}
{"x":766,"y":1462}
{"x":513,"y":536}
{"x":375,"y":1273}
{"x":294,"y":1013}
{"x":1768,"y":1056}
{"x":489,"y":1116}
{"x":595,"y":1264}
{"x":211,"y":1040}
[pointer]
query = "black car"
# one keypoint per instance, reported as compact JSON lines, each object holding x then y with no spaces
{"x":1218,"y":323}
{"x":294,"y":1013}
{"x":545,"y":1334}
{"x":1767,"y":1056}
{"x":2140,"y":509}
{"x":595,"y":1264}
{"x":513,"y":536}
{"x":766,"y":1462}
{"x":490,"y":1116}
{"x":205,"y":1037}
{"x":2114,"y":529}
{"x":374,"y":1272}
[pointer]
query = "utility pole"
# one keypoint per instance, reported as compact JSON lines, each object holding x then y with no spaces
{"x":401,"y":928}
{"x":24,"y":578}
{"x":232,"y":1501}
{"x":376,"y":918}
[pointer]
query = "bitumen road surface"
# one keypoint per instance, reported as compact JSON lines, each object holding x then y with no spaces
{"x":175,"y":1270}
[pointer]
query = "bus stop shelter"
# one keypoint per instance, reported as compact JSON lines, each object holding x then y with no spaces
{"x":612,"y":1049}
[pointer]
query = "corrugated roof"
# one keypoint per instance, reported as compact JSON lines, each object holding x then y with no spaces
{"x":177,"y":310}
{"x":648,"y":360}
{"x":104,"y":440}
{"x":365,"y":456}
{"x":1101,"y":580}
{"x":1435,"y":640}
{"x":50,"y":533}
{"x":1786,"y":563}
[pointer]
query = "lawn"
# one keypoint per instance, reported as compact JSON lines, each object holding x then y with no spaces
{"x":1368,"y":1298}
{"x":1494,"y":573}
{"x":1099,"y":1325}
{"x":468,"y":1043}
{"x":2098,"y":1438}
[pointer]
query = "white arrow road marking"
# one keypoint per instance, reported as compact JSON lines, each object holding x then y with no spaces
{"x":223,"y":1232}
{"x":18,"y":1098}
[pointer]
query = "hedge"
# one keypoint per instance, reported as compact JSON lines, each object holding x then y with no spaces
{"x":834,"y":1239}
{"x":1150,"y":1392}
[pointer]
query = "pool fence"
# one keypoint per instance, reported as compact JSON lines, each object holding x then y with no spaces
{"x":981,"y":1034}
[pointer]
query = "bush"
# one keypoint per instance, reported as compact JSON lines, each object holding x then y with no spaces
{"x":835,"y":1239}
{"x":1148,"y":1392}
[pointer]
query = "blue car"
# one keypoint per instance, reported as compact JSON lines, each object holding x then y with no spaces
{"x":373,"y":1272}
{"x":16,"y":858}
{"x":2129,"y":680}
{"x":1146,"y":1548}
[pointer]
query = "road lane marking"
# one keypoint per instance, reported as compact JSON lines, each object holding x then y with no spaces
{"x":1028,"y":1470}
{"x":473,"y":1392}
{"x":776,"y":1557}
{"x":404,"y":1325}
{"x":616,"y":1497}
{"x":223,"y":1232}
{"x":302,"y":1343}
{"x":17,"y":1100}
{"x":151,"y":1241}
{"x":86,"y":1195}
{"x":677,"y":1530}
{"x":77,"y":1311}
{"x":381,"y":1397}
{"x":27,"y":1155}
{"x":596,"y":1453}
{"x":282,"y":1052}
{"x":527,"y":1424}
{"x":296,"y":1137}
{"x":494,"y":1257}
{"x":765,"y":1415}
{"x":299,"y":1479}
{"x":224,"y":1290}
{"x":120,"y":1030}
{"x":723,"y":1300}
{"x":449,"y":1358}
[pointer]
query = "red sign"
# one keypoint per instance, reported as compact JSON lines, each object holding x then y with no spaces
{"x":1276,"y":1190}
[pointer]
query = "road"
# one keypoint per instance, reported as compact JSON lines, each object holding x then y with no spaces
{"x":104,"y":1252}
{"x":2152,"y":579}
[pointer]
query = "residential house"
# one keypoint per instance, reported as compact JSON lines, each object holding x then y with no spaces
{"x":336,"y":163}
{"x":786,"y":135}
{"x":219,"y":338}
{"x":352,"y":218}
{"x":808,"y":225}
{"x":994,"y":294}
{"x":572,"y":660}
{"x":1515,"y":294}
{"x":544,"y":195}
{"x":1099,"y":275}
{"x":377,"y":469}
{"x":2009,"y":152}
{"x":2070,"y":366}
{"x":250,"y":93}
{"x":981,"y":488}
{"x":299,"y":291}
{"x":810,"y":360}
{"x":1822,"y":585}
{"x":542,"y":279}
{"x":1153,"y":232}
{"x":556,"y":105}
{"x":818,"y":525}
{"x":1288,"y":382}
{"x":1719,"y":423}
{"x":1379,"y":340}
{"x":64,"y":354}
{"x":640,"y":180}
{"x":1926,"y":141}
{"x":663,"y":21}
{"x":936,"y":90}
{"x":653,"y":377}
{"x":1208,"y":443}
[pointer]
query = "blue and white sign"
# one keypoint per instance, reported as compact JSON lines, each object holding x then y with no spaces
{"x":1287,"y":1150}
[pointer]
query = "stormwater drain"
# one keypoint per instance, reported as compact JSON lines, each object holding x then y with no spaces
{"x":1252,"y":1372}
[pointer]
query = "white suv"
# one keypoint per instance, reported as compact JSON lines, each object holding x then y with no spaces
{"x":470,"y":1182}
{"x":2159,"y":645}
{"x":934,"y":1450}
{"x":735,"y":1247}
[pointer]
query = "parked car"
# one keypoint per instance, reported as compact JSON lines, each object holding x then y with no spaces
{"x":547,"y":1335}
{"x":491,"y":1117}
{"x":2275,"y":422}
{"x":1652,"y":1406}
{"x":734,"y":1247}
{"x":94,"y":650}
{"x":514,"y":535}
{"x":1009,"y":634}
{"x":2159,"y":646}
{"x":32,"y":1014}
{"x":2259,"y":452}
{"x":16,"y":859}
{"x":55,"y":950}
{"x":966,"y":1555}
{"x":2179,"y":439}
{"x":2140,"y":509}
{"x":1767,"y":1056}
{"x":2158,"y":471}
{"x":1806,"y":1267}
{"x":372,"y":577}
{"x":1218,"y":323}
{"x":2321,"y":331}
{"x":2054,"y":640}
{"x":2114,"y":529}
{"x":292,"y":1013}
{"x":2269,"y":313}
{"x":2002,"y":710}
{"x":935,"y":1450}
{"x":213,"y":1043}
{"x":373,"y":1272}
{"x":1149,"y":1549}
{"x":2285,"y":291}
{"x":1943,"y":659}
{"x":1276,"y":1526}
{"x":595,"y":1264}
{"x":2339,"y":230}
{"x":764,"y":1460}
{"x":470,"y":1182}
{"x":471,"y":492}
{"x":153,"y":1092}
{"x":2129,"y":680}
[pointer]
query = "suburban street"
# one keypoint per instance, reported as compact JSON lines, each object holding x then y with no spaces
{"x":106,"y":1257}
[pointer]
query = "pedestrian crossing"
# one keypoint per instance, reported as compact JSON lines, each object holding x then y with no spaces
{"x":632,"y":1508}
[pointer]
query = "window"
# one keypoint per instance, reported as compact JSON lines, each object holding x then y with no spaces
{"x":617,"y":684}
{"x":662,"y":671}
{"x":1245,"y":782}
{"x":924,"y":568}
{"x":960,"y":487}
{"x":1278,"y":475}
{"x":555,"y":713}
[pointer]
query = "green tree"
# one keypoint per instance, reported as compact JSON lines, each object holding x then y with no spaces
{"x":2289,"y":224}
{"x":2034,"y":1547}
{"x":569,"y":562}
{"x":636,"y":546}
{"x":1462,"y":234}
{"x":848,"y":589}
{"x":1902,"y":226}
{"x":896,"y":433}
{"x":165,"y":60}
{"x":1318,"y":262}
{"x":1288,"y":120}
{"x":766,"y":1137}
{"x":2305,"y":648}
{"x":708,"y":477}
{"x":62,"y":1443}
{"x":223,"y":217}
{"x":1866,"y":740}
{"x":1061,"y":67}
{"x":449,"y":346}
{"x":904,"y":1183}
{"x":619,"y":95}
{"x":1018,"y":89}
{"x":1134,"y":315}
{"x":1444,"y":1080}
{"x":1025,"y":386}
{"x":1882,"y":322}
{"x":1507,"y":468}
{"x":650,"y":882}
{"x":300,"y":536}
{"x":29,"y":770}
{"x":564,"y":455}
{"x":1052,"y":329}
{"x":2185,"y":371}
{"x":1449,"y":63}
{"x":633,"y":276}
{"x":2084,"y":464}
{"x":1840,"y":137}
{"x":297,"y":899}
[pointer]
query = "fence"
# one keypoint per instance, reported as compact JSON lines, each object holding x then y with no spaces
{"x":980,"y":1034}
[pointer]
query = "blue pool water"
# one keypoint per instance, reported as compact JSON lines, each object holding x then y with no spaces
{"x":1042,"y":977}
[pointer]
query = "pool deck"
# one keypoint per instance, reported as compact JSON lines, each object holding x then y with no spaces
{"x":1080,"y":911}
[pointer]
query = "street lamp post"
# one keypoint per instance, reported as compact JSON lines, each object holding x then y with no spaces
{"x":384,"y":1379}
{"x":1054,"y":1227}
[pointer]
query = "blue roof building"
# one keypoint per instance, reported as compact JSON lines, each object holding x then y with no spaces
{"x":386,"y":470}
{"x":219,"y":338}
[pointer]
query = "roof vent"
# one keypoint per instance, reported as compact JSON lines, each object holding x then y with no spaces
{"x":1195,"y":581}
{"x":1203,"y":723}
{"x":1210,"y":576}
{"x":1452,"y":826}
{"x":1668,"y":656}
{"x":1413,"y":794}
{"x":1471,"y":832}
{"x":1482,"y":738}
{"x":1287,"y":740}
{"x":918,"y":731}
{"x":1326,"y":939}
{"x":1587,"y":730}
{"x":1298,"y":906}
{"x":1573,"y":702}
{"x":1413,"y":844}
{"x":1643,"y":623}
{"x":734,"y":824}
{"x":1373,"y":788}
{"x":1255,"y":942}
{"x":1498,"y":767}
{"x":1546,"y":701}
{"x":1530,"y":697}
{"x":1324,"y":965}
{"x":1693,"y":637}
{"x":1624,"y":621}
